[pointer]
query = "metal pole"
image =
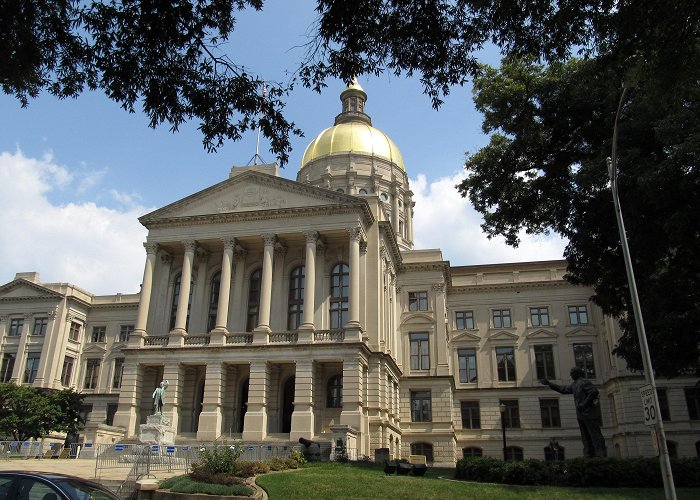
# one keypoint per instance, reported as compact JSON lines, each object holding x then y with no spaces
{"x":665,"y":461}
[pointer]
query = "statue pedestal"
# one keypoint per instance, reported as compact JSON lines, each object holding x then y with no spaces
{"x":157,"y":430}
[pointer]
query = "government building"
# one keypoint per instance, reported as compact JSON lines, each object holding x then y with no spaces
{"x":280,"y":309}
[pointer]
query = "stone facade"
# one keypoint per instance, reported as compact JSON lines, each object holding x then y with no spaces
{"x":281,"y":309}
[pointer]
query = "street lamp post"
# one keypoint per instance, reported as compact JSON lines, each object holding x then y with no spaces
{"x":666,"y":473}
{"x":502,"y":407}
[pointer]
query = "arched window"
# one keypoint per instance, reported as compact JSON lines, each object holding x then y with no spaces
{"x":176,"y":298}
{"x":554,"y":453}
{"x":514,"y":453}
{"x":254,"y":300}
{"x":334,"y":394}
{"x":214,"y":301}
{"x":295,"y":302}
{"x":471,"y":451}
{"x":425,"y":449}
{"x":340,"y":290}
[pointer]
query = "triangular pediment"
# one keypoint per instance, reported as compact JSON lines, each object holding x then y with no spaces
{"x":251,"y":192}
{"x":581,"y":332}
{"x":24,"y":289}
{"x":503,"y":335}
{"x":94,"y":349}
{"x":466,"y":337}
{"x":541,"y":334}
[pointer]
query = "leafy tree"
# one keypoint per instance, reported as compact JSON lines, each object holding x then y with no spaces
{"x":28,"y":412}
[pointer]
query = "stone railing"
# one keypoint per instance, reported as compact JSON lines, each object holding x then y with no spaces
{"x":329,"y":335}
{"x":284,"y":337}
{"x":239,"y":338}
{"x":156,"y":340}
{"x":245,"y":338}
{"x":197,"y":340}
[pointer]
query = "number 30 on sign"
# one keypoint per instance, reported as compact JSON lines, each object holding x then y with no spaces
{"x":649,"y":404}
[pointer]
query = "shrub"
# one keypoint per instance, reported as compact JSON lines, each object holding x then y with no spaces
{"x":251,"y":469}
{"x":277,"y":463}
{"x":481,"y":469}
{"x":185,"y":484}
{"x":298,"y":457}
{"x":219,"y":459}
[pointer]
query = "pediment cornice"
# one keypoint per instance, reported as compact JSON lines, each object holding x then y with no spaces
{"x":95,"y":349}
{"x":44,"y":293}
{"x":466,"y":336}
{"x":507,"y":286}
{"x":581,"y":332}
{"x":503,"y":335}
{"x":541,"y":333}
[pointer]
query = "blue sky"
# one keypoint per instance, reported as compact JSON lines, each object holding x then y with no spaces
{"x":75,"y":174}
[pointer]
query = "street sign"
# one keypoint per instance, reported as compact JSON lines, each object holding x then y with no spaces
{"x":649,"y":404}
{"x":155,"y":448}
{"x":118,"y":447}
{"x":170,"y":449}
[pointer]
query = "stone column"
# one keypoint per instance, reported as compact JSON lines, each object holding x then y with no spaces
{"x":211,"y":418}
{"x":146,"y":289}
{"x":50,"y":356}
{"x":221,"y":327}
{"x":238,"y":302}
{"x":255,"y":422}
{"x":303,"y":416}
{"x":395,"y":217}
{"x":278,"y":297}
{"x":199,"y":308}
{"x":129,"y":395}
{"x":355,"y":234}
{"x":439,"y":344}
{"x":171,"y":407}
{"x":21,"y":357}
{"x":352,"y":394}
{"x":265,"y":290}
{"x":183,"y":300}
{"x":409,"y":219}
{"x":309,"y":285}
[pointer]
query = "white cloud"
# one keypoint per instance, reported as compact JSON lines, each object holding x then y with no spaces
{"x":94,"y":247}
{"x":445,"y":220}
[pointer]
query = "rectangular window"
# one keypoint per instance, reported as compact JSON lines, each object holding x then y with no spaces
{"x":692,"y":399}
{"x":663,"y":404}
{"x":118,"y":371}
{"x":539,"y":316}
{"x":510,"y":413}
{"x":124,"y":332}
{"x":544,"y":361}
{"x":40,"y":325}
{"x":111,"y":411}
{"x":613,"y":411}
{"x":16,"y":326}
{"x":98,"y":334}
{"x":583,"y":358}
{"x":418,"y":301}
{"x":464,"y":320}
{"x":420,"y":351}
{"x":471,"y":416}
{"x":501,"y":318}
{"x":31,"y":368}
{"x":8,"y":365}
{"x":67,"y":371}
{"x":505,"y":359}
{"x":578,"y":315}
{"x":74,"y":332}
{"x":421,"y":406}
{"x":467,"y":365}
{"x":549,"y":410}
{"x":92,"y":373}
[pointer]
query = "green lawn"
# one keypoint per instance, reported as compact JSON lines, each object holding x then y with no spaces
{"x":332,"y":480}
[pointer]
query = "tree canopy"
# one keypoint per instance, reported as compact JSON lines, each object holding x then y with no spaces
{"x":28,"y":412}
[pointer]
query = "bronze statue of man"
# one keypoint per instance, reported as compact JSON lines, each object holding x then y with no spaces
{"x":587,"y":411}
{"x":159,"y":397}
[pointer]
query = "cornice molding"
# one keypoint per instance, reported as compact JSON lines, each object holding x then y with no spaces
{"x":506,"y":286}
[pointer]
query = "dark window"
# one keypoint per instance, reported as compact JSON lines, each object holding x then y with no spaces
{"x":692,"y":399}
{"x":31,"y":368}
{"x":67,"y":371}
{"x":418,"y":301}
{"x":510,"y":413}
{"x":471,"y":416}
{"x":254,"y":300}
{"x":420,"y":351}
{"x":501,"y":318}
{"x":8,"y":365}
{"x":92,"y":373}
{"x":98,"y":334}
{"x":578,"y":315}
{"x":663,"y":404}
{"x":340,"y":292}
{"x":16,"y":326}
{"x":583,"y":358}
{"x":539,"y":316}
{"x":554,"y":453}
{"x":176,"y":298}
{"x":118,"y":372}
{"x":214,"y":301}
{"x":505,"y":359}
{"x":40,"y":326}
{"x":425,"y":449}
{"x":697,"y":448}
{"x":295,"y":302}
{"x":471,"y":451}
{"x":111,"y":411}
{"x":549,"y":410}
{"x":672,"y":447}
{"x":421,"y":406}
{"x":544,"y":361}
{"x":514,"y":453}
{"x":334,"y":395}
{"x":467,"y":365}
{"x":74,"y":332}
{"x":124,"y":332}
{"x":464,"y":320}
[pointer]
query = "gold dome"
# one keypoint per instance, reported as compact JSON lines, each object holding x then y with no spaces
{"x":353,"y":132}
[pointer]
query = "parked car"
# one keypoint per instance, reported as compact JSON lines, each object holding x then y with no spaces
{"x":16,"y":485}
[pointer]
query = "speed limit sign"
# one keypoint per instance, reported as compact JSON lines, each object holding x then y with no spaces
{"x":649,"y":403}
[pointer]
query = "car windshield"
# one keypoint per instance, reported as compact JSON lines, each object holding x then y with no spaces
{"x":84,"y":491}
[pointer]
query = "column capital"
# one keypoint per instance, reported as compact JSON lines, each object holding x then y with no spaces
{"x":202,"y":254}
{"x":165,"y":257}
{"x":229,"y":243}
{"x":239,"y":252}
{"x":355,"y":233}
{"x":311,"y":236}
{"x":363,"y":246}
{"x":280,"y":249}
{"x":439,"y":287}
{"x":190,"y":245}
{"x":269,"y":239}
{"x":151,"y":248}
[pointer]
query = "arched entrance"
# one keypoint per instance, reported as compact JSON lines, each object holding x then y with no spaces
{"x":287,"y":405}
{"x":243,"y":404}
